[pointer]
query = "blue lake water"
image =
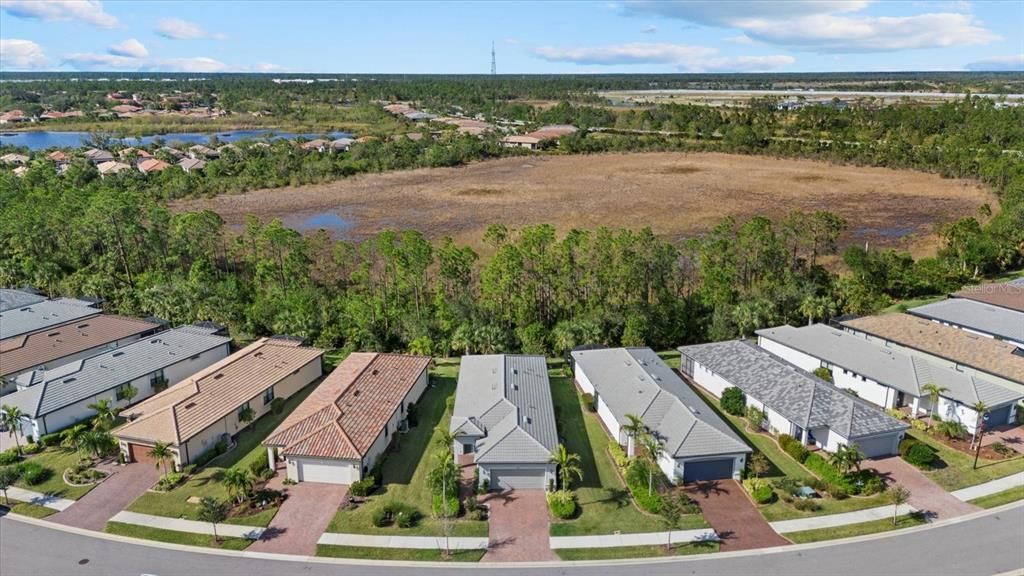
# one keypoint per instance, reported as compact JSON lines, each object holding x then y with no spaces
{"x":42,"y":140}
{"x":326,"y":220}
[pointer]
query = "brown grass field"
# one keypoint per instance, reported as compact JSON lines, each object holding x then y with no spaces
{"x":677,"y":195}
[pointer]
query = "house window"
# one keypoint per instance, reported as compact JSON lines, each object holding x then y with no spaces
{"x":268,"y":396}
{"x":242,"y":409}
{"x":122,"y":391}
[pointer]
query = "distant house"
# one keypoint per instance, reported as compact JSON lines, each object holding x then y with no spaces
{"x":59,"y":397}
{"x":418,"y":116}
{"x":318,"y":145}
{"x":13,"y":117}
{"x":152,"y":165}
{"x":134,"y":154}
{"x":203,"y":151}
{"x":342,"y":429}
{"x":173,"y":152}
{"x":191,"y":164}
{"x":111,"y":167}
{"x":342,"y":144}
{"x":44,"y":314}
{"x":521,"y":141}
{"x":11,"y":298}
{"x":977,"y":317}
{"x":1007,"y":295}
{"x":97,"y":156}
{"x":539,"y":137}
{"x":59,"y":157}
{"x":194,"y":415}
{"x":20,"y":171}
{"x":126,"y":109}
{"x":14,"y":159}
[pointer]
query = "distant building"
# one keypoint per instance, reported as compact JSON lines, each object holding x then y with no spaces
{"x":15,"y":159}
{"x":191,"y":164}
{"x":152,"y":165}
{"x":111,"y":167}
{"x":97,"y":156}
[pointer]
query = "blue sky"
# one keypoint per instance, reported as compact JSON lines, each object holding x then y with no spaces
{"x":550,"y":37}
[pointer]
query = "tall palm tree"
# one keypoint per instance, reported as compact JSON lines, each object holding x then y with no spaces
{"x":445,"y":438}
{"x":96,"y":443}
{"x":568,"y":464}
{"x":12,"y":417}
{"x":162,"y":453}
{"x":634,"y":430}
{"x":71,"y":439}
{"x":981,"y":409}
{"x":239,"y":483}
{"x":934,"y":391}
{"x":106,"y":414}
{"x":655,"y":449}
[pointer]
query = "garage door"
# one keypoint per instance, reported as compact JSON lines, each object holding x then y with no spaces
{"x":140,"y":453}
{"x":999,"y":416}
{"x":326,"y":471}
{"x":696,"y":471}
{"x":521,"y":478}
{"x":875,"y":447}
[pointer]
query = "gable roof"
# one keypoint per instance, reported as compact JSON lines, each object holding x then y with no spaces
{"x":11,"y":298}
{"x":41,"y":315}
{"x":506,"y":399}
{"x":1001,"y":322}
{"x":1003,"y":294}
{"x":191,"y":164}
{"x":892,"y":368}
{"x":49,"y":390}
{"x":799,"y":396}
{"x":151,"y":165}
{"x":346,"y":413}
{"x":29,"y":350}
{"x":196,"y":403}
{"x":637,"y":381}
{"x":985,"y":354}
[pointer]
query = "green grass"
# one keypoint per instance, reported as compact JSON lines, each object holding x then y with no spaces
{"x":911,"y":303}
{"x":405,"y":471}
{"x":958,"y":471}
{"x":27,"y":509}
{"x":780,"y":510}
{"x":851,"y":530}
{"x":57,"y":460}
{"x":635,"y":551}
{"x":407,"y":554}
{"x":204,"y":482}
{"x":999,"y":498}
{"x":175,"y":537}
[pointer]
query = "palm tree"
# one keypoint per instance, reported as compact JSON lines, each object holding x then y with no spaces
{"x":238,"y":482}
{"x":981,"y":409}
{"x":634,"y":430}
{"x":12,"y":417}
{"x":71,"y":439}
{"x":817,"y":307}
{"x":96,"y":443}
{"x":161,"y":452}
{"x":846,"y":458}
{"x":568,"y":464}
{"x":445,"y":438}
{"x":934,"y":391}
{"x":106,"y":414}
{"x":655,"y":449}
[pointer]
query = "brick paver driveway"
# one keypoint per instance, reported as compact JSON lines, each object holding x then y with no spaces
{"x":925,"y":495}
{"x":1011,"y":436}
{"x":519,"y":527}
{"x":730,"y":512}
{"x":303,"y":517}
{"x":124,"y":485}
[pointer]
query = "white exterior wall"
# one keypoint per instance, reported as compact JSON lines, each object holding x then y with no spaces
{"x":605,"y":413}
{"x":950,"y":410}
{"x":583,"y":381}
{"x":709,"y":380}
{"x":777,"y":423}
{"x":804,"y":361}
{"x":866,"y":388}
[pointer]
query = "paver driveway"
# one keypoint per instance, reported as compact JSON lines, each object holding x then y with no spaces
{"x":124,"y":485}
{"x":733,"y":516}
{"x":518,"y":527}
{"x":303,"y":517}
{"x":925,"y":495}
{"x":1011,"y":436}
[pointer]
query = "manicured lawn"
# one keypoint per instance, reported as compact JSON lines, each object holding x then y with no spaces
{"x":780,"y":510}
{"x":635,"y":551}
{"x":958,"y":472}
{"x":175,"y":537}
{"x":1000,"y":498}
{"x":31,"y":510}
{"x":397,"y":554}
{"x":605,"y":503}
{"x":57,"y":460}
{"x":405,"y":471}
{"x":851,"y":530}
{"x":204,"y":482}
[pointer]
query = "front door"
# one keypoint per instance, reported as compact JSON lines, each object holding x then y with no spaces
{"x":901,"y":400}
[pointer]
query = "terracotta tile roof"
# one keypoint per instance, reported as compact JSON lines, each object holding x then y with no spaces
{"x":345,"y":414}
{"x":986,"y":354}
{"x":151,"y":165}
{"x":189,"y":407}
{"x":1005,"y":295}
{"x":34,"y":349}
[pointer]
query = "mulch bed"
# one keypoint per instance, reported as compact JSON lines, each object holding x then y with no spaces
{"x":964,"y":445}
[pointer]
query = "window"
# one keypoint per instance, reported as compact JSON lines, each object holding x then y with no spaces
{"x":122,"y":391}
{"x":268,"y":396}
{"x":242,"y":409}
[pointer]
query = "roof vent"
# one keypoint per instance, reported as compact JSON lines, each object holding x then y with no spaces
{"x":356,"y":393}
{"x":190,"y":405}
{"x":116,"y":354}
{"x":69,"y":380}
{"x":51,"y":334}
{"x":529,"y":420}
{"x":375,"y":372}
{"x":86,"y":325}
{"x":218,"y":376}
{"x":258,"y":355}
{"x":515,"y":370}
{"x":154,"y":341}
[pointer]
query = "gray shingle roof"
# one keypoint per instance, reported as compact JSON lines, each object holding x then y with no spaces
{"x":799,"y":396}
{"x":1001,"y":322}
{"x":42,"y":315}
{"x":636,"y":381}
{"x":507,"y":399}
{"x":51,"y":390}
{"x":1018,"y":282}
{"x":11,"y":298}
{"x":887,"y":366}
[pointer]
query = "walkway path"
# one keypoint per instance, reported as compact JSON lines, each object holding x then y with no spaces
{"x":833,"y":520}
{"x":181,"y":525}
{"x":734,"y":517}
{"x":644,"y":539}
{"x":22,"y":495}
{"x":418,"y":542}
{"x":124,"y":485}
{"x":303,"y":517}
{"x":925,"y":495}
{"x":519,"y":527}
{"x":990,"y":487}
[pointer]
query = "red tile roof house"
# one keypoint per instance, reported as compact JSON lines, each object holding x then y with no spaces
{"x":195,"y":414}
{"x":340,"y":431}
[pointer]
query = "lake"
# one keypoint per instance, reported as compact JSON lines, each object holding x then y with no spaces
{"x":41,"y":140}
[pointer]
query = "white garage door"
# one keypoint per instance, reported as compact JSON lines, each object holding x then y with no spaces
{"x":521,"y":478}
{"x":326,"y":471}
{"x":881,"y":446}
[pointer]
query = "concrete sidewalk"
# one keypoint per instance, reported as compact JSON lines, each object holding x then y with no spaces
{"x":22,"y":495}
{"x":193,"y":526}
{"x":417,"y":542}
{"x":642,"y":539}
{"x":991,"y":487}
{"x":833,"y":520}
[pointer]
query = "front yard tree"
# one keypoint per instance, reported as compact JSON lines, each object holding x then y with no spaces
{"x":672,"y":512}
{"x":934,"y":391}
{"x":71,"y":438}
{"x":8,"y":475}
{"x":213,"y":511}
{"x":443,"y":481}
{"x":106,"y":414}
{"x":655,"y":449}
{"x":238,"y":482}
{"x":898,"y":495}
{"x":568,"y":465}
{"x":96,"y":443}
{"x":246,"y":415}
{"x":759,"y":464}
{"x":11,"y":417}
{"x":846,"y":458}
{"x":634,"y":430}
{"x":129,"y":393}
{"x":981,"y":409}
{"x":161,"y":452}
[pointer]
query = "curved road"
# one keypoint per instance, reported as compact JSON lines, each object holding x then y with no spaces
{"x":978,"y":545}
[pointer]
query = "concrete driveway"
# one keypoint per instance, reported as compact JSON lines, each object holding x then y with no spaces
{"x":519,"y":527}
{"x":733,"y":515}
{"x":303,"y":517}
{"x":124,"y":485}
{"x":925,"y":495}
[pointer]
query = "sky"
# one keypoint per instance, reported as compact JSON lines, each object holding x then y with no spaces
{"x":620,"y":36}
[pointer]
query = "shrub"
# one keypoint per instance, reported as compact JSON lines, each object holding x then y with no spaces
{"x":906,"y":444}
{"x":448,"y":507}
{"x":412,"y":416}
{"x":220,"y":447}
{"x":1002,"y":449}
{"x":807,"y":505}
{"x":618,"y":455}
{"x":785,"y":440}
{"x":798,"y":451}
{"x":951,"y":429}
{"x":755,"y":417}
{"x":760,"y":490}
{"x":449,"y":403}
{"x":838,"y":492}
{"x":818,"y":484}
{"x":399,"y":513}
{"x":50,"y":440}
{"x":832,"y":477}
{"x":380,"y":518}
{"x":896,"y":414}
{"x":824,"y":373}
{"x":788,"y":485}
{"x":734,"y":401}
{"x":562,"y":504}
{"x":30,"y":449}
{"x":8,"y":457}
{"x":588,"y":402}
{"x":34,"y":473}
{"x":1020,"y":416}
{"x":920,"y":455}
{"x":872,"y":485}
{"x":277,"y":405}
{"x":363,"y":487}
{"x":260,"y":465}
{"x":918,"y":425}
{"x":168,"y":482}
{"x":636,"y":480}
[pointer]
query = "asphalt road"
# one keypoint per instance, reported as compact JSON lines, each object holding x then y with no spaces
{"x":982,"y":546}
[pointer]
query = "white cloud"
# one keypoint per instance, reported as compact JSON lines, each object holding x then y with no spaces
{"x":826,"y":26}
{"x":650,"y":29}
{"x":131,"y":48}
{"x":103,"y":62}
{"x":197,"y":64}
{"x":739,"y":39}
{"x":684,"y":57}
{"x":267,"y":67}
{"x":91,"y":61}
{"x":178,"y":29}
{"x":1013,"y":63}
{"x":87,"y":11}
{"x":17,"y":54}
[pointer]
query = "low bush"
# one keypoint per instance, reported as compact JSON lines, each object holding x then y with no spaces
{"x":827,"y":472}
{"x":445,"y":508}
{"x":8,"y":457}
{"x":398,"y":513}
{"x":260,"y":465}
{"x":562,"y":504}
{"x":951,"y":429}
{"x":760,"y":490}
{"x":838,"y":492}
{"x":906,"y":444}
{"x":897,"y":414}
{"x":734,"y":401}
{"x":50,"y":440}
{"x":588,"y":402}
{"x":818,"y":484}
{"x":797,"y":451}
{"x":277,"y":405}
{"x":807,"y":505}
{"x":755,"y":417}
{"x":618,"y":455}
{"x":920,"y":455}
{"x":918,"y":425}
{"x":380,"y":518}
{"x":788,"y":485}
{"x":872,"y":485}
{"x":170,"y":481}
{"x":34,"y":473}
{"x":30,"y":449}
{"x":363,"y":487}
{"x":1002,"y":449}
{"x":636,"y":480}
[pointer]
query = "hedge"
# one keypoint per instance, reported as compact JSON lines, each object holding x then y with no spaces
{"x":734,"y":401}
{"x":636,"y":479}
{"x":793,"y":447}
{"x":815,"y":463}
{"x":562,"y":504}
{"x":920,"y":455}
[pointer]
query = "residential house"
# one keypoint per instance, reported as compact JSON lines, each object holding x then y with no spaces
{"x":1007,"y":295}
{"x":698,"y":445}
{"x":418,"y":116}
{"x":13,"y":117}
{"x":44,"y":314}
{"x":152,"y":166}
{"x":539,"y":137}
{"x":20,"y":171}
{"x":342,"y":429}
{"x":172,"y":152}
{"x":521,"y":141}
{"x":196,"y":414}
{"x":793,"y":401}
{"x":890,"y":378}
{"x":318,"y":145}
{"x":190,"y":164}
{"x":203,"y":151}
{"x":60,"y":397}
{"x":977,"y":317}
{"x":59,"y":156}
{"x":342,"y":144}
{"x":134,"y":154}
{"x":11,"y":298}
{"x":504,"y":416}
{"x":111,"y":167}
{"x":97,"y":156}
{"x":14,"y":159}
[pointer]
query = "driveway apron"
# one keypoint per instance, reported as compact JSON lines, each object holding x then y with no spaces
{"x":121,"y":488}
{"x":519,"y":527}
{"x":734,"y":517}
{"x":925,"y":495}
{"x":302,"y":518}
